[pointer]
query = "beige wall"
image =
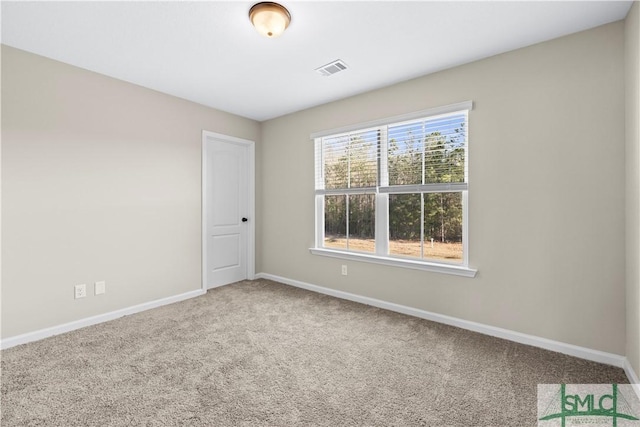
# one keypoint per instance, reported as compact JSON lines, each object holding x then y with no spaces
{"x":632,"y":91}
{"x":546,"y":197}
{"x":100,"y":181}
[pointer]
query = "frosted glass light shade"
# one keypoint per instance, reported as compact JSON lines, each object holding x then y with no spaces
{"x":270,"y":19}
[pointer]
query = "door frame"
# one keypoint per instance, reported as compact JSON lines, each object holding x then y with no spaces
{"x":251,"y":206}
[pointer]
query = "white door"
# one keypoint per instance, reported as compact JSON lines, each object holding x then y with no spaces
{"x":226,"y":209}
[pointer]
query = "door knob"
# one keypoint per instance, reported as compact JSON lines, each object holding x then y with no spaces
{"x":244,"y":220}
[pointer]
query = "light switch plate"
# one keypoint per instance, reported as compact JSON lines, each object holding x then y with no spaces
{"x":100,"y":287}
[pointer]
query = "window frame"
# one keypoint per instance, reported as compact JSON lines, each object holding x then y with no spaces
{"x":382,"y":191}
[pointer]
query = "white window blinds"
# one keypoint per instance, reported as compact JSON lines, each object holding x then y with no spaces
{"x":349,"y":162}
{"x":428,"y":154}
{"x":421,"y":155}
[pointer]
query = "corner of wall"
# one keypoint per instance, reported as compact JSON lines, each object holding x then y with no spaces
{"x":632,"y":192}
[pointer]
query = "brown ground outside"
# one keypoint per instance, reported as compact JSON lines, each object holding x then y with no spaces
{"x":411,"y":248}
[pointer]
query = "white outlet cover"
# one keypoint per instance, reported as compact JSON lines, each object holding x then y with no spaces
{"x":80,"y":291}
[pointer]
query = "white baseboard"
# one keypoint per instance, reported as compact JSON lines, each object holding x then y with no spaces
{"x":560,"y":347}
{"x":633,"y":377}
{"x":77,"y":324}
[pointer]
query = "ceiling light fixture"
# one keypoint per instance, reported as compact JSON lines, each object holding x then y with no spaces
{"x":270,"y":19}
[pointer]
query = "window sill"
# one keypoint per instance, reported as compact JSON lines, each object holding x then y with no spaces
{"x":457,"y":270}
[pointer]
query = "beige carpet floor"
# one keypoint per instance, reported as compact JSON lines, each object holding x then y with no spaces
{"x":259,"y":353}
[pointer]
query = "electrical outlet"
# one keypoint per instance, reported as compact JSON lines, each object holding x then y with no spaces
{"x":80,"y":291}
{"x":344,"y":270}
{"x":100,"y":287}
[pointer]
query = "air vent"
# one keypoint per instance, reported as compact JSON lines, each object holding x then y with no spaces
{"x":332,"y":68}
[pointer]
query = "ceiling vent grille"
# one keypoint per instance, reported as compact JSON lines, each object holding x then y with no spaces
{"x":332,"y":68}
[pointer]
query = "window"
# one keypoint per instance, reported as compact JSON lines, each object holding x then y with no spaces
{"x":396,"y":191}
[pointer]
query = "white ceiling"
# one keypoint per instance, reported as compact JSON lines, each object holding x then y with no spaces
{"x":209,"y":53}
